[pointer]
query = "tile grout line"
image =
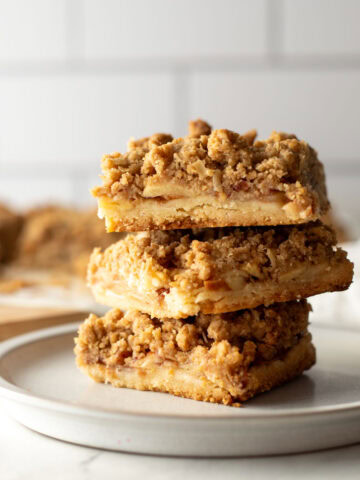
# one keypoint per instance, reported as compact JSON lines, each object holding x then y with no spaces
{"x":274,"y":30}
{"x":201,"y":64}
{"x":181,"y":110}
{"x":74,"y":34}
{"x":74,"y":40}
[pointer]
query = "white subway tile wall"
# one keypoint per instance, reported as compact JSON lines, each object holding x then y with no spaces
{"x":72,"y":119}
{"x":32,"y":30}
{"x":25,"y":191}
{"x":79,"y":77}
{"x":328,"y":27}
{"x":176,"y":29}
{"x":319,"y":106}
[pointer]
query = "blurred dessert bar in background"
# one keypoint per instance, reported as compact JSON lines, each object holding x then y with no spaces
{"x":48,"y":245}
{"x":10,"y":227}
{"x":60,"y":238}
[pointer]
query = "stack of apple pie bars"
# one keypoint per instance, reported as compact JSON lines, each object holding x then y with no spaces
{"x":214,"y":283}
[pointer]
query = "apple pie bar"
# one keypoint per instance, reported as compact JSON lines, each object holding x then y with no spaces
{"x":210,"y":178}
{"x":10,"y":228}
{"x":61,"y":239}
{"x":225,"y":358}
{"x":180,"y":273}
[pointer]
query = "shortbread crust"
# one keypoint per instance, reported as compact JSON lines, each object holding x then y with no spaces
{"x":217,"y":358}
{"x":181,"y":273}
{"x":211,"y":178}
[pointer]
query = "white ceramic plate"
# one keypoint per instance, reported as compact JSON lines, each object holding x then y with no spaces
{"x":42,"y":389}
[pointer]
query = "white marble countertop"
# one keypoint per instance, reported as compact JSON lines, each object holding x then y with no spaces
{"x":27,"y":455}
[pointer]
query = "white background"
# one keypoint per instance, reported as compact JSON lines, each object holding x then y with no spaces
{"x":79,"y":77}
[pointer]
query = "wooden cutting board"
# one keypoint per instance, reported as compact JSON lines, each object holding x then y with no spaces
{"x":18,"y":320}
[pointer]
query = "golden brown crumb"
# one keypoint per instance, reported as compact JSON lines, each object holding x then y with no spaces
{"x":250,"y":136}
{"x":146,"y":143}
{"x":199,"y":127}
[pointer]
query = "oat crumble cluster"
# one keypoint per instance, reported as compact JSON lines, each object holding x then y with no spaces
{"x":229,"y":244}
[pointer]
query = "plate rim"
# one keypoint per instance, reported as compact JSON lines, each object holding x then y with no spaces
{"x":10,"y":391}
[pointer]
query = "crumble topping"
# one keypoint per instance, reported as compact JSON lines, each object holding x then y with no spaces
{"x":146,"y":143}
{"x":218,"y":162}
{"x":205,"y":257}
{"x":199,"y":127}
{"x":231,"y":341}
